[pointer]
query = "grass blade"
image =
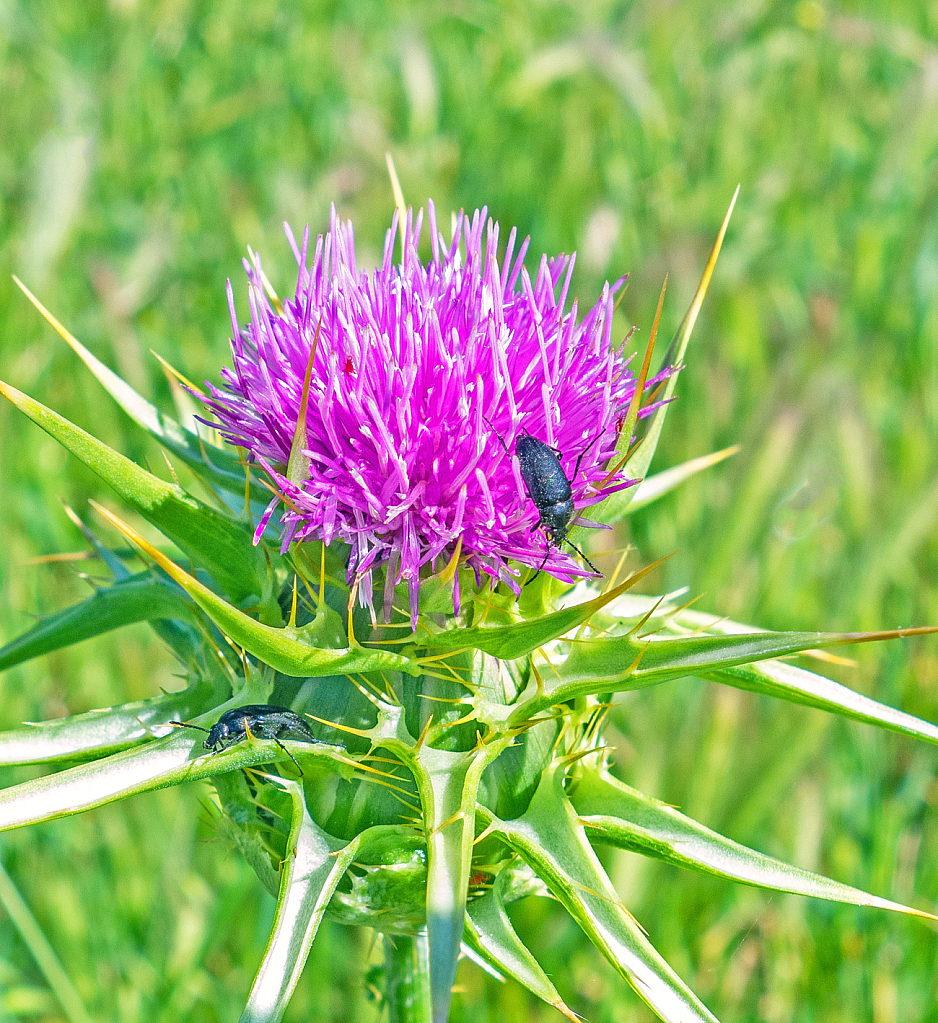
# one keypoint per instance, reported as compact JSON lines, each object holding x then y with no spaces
{"x":38,"y":944}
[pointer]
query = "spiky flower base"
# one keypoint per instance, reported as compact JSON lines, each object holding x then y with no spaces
{"x":450,"y":762}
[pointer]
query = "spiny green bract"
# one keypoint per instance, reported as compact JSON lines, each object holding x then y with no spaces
{"x":459,"y":760}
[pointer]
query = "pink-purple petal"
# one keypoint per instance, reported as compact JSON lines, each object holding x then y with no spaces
{"x":423,"y":374}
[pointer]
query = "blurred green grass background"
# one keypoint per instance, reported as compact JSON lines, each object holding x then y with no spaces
{"x":145,"y":145}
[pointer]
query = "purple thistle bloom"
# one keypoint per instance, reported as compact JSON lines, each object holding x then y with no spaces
{"x":423,"y":378}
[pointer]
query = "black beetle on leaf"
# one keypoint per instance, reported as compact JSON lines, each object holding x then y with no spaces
{"x":263,"y":720}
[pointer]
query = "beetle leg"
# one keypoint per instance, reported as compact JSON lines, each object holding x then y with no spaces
{"x":539,"y":567}
{"x":288,"y":753}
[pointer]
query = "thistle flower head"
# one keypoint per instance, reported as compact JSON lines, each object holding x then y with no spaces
{"x":421,"y":378}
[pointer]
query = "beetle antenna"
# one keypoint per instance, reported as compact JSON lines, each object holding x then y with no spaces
{"x":497,"y":434}
{"x":185,"y":724}
{"x":583,"y":556}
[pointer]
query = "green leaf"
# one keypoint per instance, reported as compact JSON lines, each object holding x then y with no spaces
{"x":450,"y":824}
{"x":239,"y":822}
{"x":615,"y":507}
{"x":448,"y":784}
{"x":613,"y":812}
{"x":623,"y":663}
{"x":314,"y":866}
{"x":221,"y":545}
{"x":220,"y":467}
{"x":101,"y":731}
{"x":653,"y":487}
{"x":111,"y":559}
{"x":551,"y":839}
{"x":509,"y":783}
{"x":689,"y":655}
{"x":788,"y":682}
{"x":138,"y":598}
{"x":778,"y":678}
{"x":169,"y":761}
{"x":489,"y":932}
{"x":509,"y":642}
{"x":288,"y":649}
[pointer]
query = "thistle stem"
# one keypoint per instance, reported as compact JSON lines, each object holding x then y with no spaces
{"x":407,"y":966}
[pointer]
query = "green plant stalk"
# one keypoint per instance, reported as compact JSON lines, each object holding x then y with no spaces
{"x":407,"y":978}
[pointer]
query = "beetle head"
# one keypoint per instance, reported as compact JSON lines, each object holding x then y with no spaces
{"x":555,"y":520}
{"x":216,"y":737}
